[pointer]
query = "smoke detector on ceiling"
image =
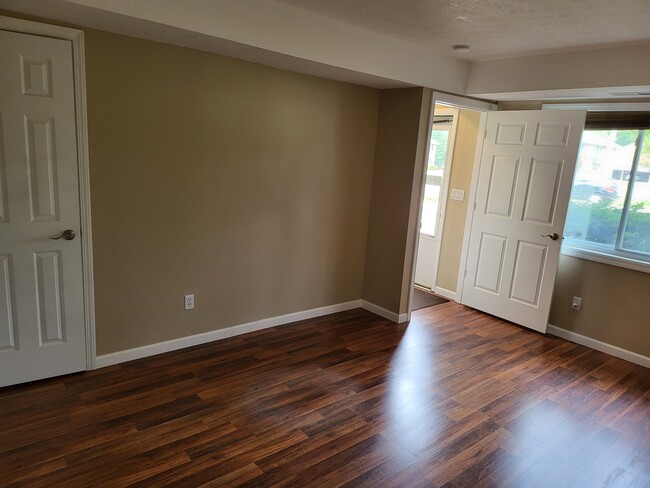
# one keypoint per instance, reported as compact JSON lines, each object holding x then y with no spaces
{"x":461,"y":48}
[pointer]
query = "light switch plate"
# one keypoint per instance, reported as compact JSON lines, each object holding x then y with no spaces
{"x":458,"y":195}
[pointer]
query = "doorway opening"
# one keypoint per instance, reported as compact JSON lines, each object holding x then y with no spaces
{"x":447,"y":189}
{"x":436,"y":184}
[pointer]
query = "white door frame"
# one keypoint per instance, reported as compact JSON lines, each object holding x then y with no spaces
{"x":459,"y":103}
{"x":76,"y":38}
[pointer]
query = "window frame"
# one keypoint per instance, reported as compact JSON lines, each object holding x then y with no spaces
{"x":445,"y":172}
{"x":594,"y":251}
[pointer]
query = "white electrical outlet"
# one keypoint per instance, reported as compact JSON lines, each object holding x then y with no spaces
{"x":189,"y":302}
{"x":577,"y":303}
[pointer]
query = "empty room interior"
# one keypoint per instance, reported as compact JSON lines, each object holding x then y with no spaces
{"x":325,"y":243}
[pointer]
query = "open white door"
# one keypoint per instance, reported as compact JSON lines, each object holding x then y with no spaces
{"x":523,"y":191}
{"x":42,"y":329}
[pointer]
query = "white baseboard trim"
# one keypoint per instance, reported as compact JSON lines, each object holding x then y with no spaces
{"x":382,"y":312}
{"x":443,"y":292}
{"x":619,"y":352}
{"x":215,"y":335}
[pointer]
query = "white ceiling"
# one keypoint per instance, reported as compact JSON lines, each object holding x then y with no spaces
{"x":495,"y":28}
{"x":594,"y":48}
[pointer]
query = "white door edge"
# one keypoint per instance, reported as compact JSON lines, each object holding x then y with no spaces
{"x":76,"y":38}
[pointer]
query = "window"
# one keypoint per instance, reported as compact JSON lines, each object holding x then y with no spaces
{"x":439,"y":144}
{"x":608,"y":218}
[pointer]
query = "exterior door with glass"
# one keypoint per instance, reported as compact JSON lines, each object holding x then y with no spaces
{"x":440,"y":149}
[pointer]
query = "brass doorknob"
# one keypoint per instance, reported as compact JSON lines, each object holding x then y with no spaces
{"x":67,"y":234}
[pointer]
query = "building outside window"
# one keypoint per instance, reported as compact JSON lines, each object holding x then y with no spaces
{"x":609,"y":209}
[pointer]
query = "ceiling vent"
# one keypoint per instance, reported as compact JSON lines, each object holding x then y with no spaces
{"x":631,"y":94}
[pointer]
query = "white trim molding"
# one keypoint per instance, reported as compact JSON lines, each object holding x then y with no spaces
{"x":619,"y":352}
{"x":382,"y":312}
{"x":215,"y":335}
{"x":444,"y":292}
{"x":464,"y":102}
{"x":600,"y":107}
{"x":601,"y":257}
{"x":76,"y":38}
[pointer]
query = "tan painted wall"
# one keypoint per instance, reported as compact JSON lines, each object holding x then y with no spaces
{"x":622,"y":66}
{"x":401,"y":129}
{"x":615,"y":303}
{"x":246,"y":185}
{"x":455,"y":213}
{"x":614,"y":300}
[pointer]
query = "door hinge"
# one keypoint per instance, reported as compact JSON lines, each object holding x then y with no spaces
{"x":485,"y":134}
{"x":474,"y":205}
{"x":465,"y":275}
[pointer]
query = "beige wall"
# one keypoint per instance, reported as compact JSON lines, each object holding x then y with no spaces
{"x":614,"y":300}
{"x":613,"y":69}
{"x":401,"y":131}
{"x":246,"y":185}
{"x":615,"y":303}
{"x":461,"y":178}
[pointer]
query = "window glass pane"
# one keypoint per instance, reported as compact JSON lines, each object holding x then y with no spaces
{"x":636,"y":237}
{"x":599,"y":188}
{"x":435,"y":170}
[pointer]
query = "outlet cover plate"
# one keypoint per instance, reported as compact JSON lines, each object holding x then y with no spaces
{"x":458,"y":195}
{"x":577,"y":303}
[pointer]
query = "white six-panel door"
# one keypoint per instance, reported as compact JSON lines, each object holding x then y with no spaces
{"x":525,"y":178}
{"x":42,"y":330}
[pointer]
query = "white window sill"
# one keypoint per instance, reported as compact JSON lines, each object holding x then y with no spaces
{"x":600,"y":257}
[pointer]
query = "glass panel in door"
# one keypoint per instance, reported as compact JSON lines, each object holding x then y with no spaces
{"x":435,"y":171}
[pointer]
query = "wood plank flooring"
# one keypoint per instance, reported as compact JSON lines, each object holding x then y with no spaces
{"x":456,"y":398}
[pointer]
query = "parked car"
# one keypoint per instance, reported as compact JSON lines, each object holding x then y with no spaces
{"x":594,"y":191}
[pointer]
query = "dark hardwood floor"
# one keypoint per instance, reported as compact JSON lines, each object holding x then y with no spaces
{"x":455,"y":398}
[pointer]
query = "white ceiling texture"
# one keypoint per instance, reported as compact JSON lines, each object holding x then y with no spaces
{"x":495,"y":28}
{"x":520,"y":49}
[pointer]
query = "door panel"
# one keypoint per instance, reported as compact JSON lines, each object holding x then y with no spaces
{"x":522,"y":195}
{"x":530,"y":260}
{"x":42,"y":330}
{"x":49,"y":307}
{"x":502,"y":186}
{"x":541,"y":191}
{"x":41,"y":167}
{"x":490,"y":262}
{"x":4,"y":204}
{"x":7,"y":319}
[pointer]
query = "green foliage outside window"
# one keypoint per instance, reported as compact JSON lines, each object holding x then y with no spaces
{"x":604,"y":220}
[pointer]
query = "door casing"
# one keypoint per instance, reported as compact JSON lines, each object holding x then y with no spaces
{"x":460,"y":103}
{"x":76,"y":38}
